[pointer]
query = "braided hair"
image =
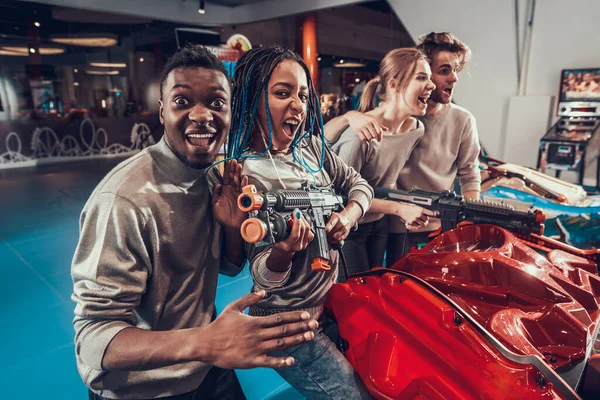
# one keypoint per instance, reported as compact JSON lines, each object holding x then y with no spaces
{"x":252,"y":73}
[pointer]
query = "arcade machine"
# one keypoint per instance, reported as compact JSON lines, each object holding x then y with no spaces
{"x":573,"y":142}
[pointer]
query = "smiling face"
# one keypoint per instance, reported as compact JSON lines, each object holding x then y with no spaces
{"x":288,"y":96}
{"x":444,"y":68}
{"x":419,"y":89}
{"x":195,"y":112}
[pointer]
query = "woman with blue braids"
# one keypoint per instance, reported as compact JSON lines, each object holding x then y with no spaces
{"x":277,"y":135}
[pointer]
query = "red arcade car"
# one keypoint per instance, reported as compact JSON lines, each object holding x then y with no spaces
{"x":476,"y":314}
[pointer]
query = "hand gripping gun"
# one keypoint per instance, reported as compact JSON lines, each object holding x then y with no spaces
{"x":453,"y":209}
{"x":270,"y":217}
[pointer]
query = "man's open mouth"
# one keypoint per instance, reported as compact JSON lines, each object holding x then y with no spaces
{"x":201,"y":139}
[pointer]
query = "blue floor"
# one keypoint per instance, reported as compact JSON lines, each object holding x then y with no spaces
{"x":38,"y":234}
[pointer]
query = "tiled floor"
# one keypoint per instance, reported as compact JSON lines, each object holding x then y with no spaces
{"x":38,"y":233}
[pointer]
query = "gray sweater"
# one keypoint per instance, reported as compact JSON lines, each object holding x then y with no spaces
{"x":299,"y":288}
{"x":449,"y":148}
{"x":148,"y":257}
{"x":379,"y":163}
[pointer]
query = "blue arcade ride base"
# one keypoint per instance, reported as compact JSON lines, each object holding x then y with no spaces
{"x":577,"y":225}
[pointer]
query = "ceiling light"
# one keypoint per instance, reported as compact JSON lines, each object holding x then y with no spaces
{"x":75,"y":83}
{"x":37,"y":24}
{"x":341,"y":61}
{"x":141,"y":59}
{"x":318,"y":58}
{"x":201,"y":9}
{"x":89,"y":41}
{"x":357,"y":80}
{"x":108,"y":72}
{"x":350,"y":64}
{"x":24,"y":51}
{"x":76,"y":70}
{"x":46,"y":51}
{"x":108,"y":65}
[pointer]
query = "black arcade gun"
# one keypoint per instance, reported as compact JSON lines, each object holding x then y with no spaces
{"x":574,"y":142}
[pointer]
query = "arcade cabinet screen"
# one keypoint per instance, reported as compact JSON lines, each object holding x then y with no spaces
{"x":580,"y":85}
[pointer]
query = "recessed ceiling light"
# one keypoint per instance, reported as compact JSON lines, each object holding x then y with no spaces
{"x":37,"y":24}
{"x":349,"y":65}
{"x":108,"y":72}
{"x":108,"y":65}
{"x":101,"y":40}
{"x":24,"y":51}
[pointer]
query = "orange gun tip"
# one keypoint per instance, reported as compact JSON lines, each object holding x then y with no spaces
{"x":253,"y":230}
{"x":320,"y":264}
{"x":249,"y":199}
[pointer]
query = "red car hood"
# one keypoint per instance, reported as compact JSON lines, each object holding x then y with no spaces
{"x":474,"y":314}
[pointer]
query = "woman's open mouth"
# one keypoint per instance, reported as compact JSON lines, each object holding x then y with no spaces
{"x":290,"y":127}
{"x":423,"y":99}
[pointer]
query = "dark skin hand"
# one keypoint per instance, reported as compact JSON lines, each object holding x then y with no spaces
{"x":259,"y":335}
{"x":233,"y":340}
{"x":300,"y":237}
{"x":226,"y":211}
{"x":225,"y":195}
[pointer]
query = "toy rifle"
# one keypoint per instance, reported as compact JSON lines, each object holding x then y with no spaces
{"x":454,"y":209}
{"x":271,"y":221}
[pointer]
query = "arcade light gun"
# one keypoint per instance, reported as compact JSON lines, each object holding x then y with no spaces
{"x":271,"y":217}
{"x":454,"y":209}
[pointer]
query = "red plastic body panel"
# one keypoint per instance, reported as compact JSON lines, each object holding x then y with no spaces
{"x":476,"y":314}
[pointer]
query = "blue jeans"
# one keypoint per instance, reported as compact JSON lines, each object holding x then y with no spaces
{"x":321,"y":371}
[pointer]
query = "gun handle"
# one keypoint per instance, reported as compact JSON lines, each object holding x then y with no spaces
{"x":447,"y":225}
{"x":320,"y":264}
{"x":319,"y":247}
{"x":338,"y":246}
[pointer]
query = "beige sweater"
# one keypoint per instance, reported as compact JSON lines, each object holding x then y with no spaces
{"x":379,"y":163}
{"x":449,"y":149}
{"x":148,"y":256}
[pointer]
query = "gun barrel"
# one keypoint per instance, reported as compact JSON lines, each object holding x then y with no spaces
{"x":417,"y":197}
{"x":250,"y":199}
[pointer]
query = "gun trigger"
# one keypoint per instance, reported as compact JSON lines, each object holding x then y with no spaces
{"x":320,"y":264}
